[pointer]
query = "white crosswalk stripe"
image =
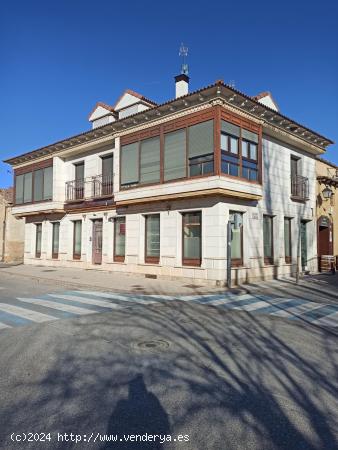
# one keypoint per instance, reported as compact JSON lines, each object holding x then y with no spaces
{"x":57,"y":305}
{"x":123,"y":298}
{"x":330,"y":320}
{"x":87,"y":301}
{"x":3,"y":325}
{"x":26,"y":313}
{"x":252,"y":306}
{"x":297,"y":310}
{"x":226,"y":300}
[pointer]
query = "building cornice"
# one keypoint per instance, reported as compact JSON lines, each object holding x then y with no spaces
{"x":232,"y":99}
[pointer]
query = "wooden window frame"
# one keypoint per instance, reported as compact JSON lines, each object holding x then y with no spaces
{"x":32,"y":168}
{"x":54,"y":254}
{"x":160,"y":131}
{"x":38,"y":254}
{"x":119,"y":258}
{"x":269,"y":260}
{"x":76,"y":256}
{"x":194,"y":262}
{"x":288,"y":259}
{"x":150,"y":259}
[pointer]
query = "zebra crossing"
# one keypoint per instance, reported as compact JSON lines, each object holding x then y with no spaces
{"x":69,"y":304}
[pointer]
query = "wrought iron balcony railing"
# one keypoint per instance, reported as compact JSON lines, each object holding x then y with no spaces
{"x":92,"y":187}
{"x":300,"y":187}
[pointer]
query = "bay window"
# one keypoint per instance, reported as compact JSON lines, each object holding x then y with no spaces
{"x":192,"y":238}
{"x":152,"y":238}
{"x":34,"y":186}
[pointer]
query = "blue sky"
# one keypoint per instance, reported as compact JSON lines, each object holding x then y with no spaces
{"x":59,"y":58}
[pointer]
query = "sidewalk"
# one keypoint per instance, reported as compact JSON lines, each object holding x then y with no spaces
{"x":318,"y":288}
{"x":106,"y":281}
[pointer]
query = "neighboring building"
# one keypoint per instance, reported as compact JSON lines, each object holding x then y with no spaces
{"x":12,"y":230}
{"x":151,"y":188}
{"x":327,"y":213}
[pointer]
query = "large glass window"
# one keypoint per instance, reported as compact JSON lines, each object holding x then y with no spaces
{"x":268,"y":239}
{"x":77,"y":239}
{"x":175,"y":155}
{"x":230,"y":148}
{"x":38,"y":240}
{"x":287,"y":240}
{"x":38,"y":185}
{"x":236,"y":219}
{"x":19,"y":189}
{"x":239,"y":149}
{"x":27,"y":186}
{"x":150,"y":160}
{"x":152,"y":238}
{"x":130,"y":164}
{"x":34,"y":186}
{"x":120,"y":238}
{"x":55,"y":241}
{"x":47,"y":183}
{"x":107,"y":175}
{"x":249,"y":155}
{"x":201,"y":148}
{"x":192,"y":234}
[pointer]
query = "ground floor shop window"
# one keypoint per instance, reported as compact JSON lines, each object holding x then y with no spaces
{"x":236,"y":220}
{"x":192,"y":238}
{"x":77,"y":239}
{"x":38,"y":240}
{"x":287,"y":240}
{"x":268,"y":239}
{"x":120,"y":239}
{"x":152,"y":238}
{"x":55,"y":242}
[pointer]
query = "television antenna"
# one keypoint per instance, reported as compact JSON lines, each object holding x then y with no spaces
{"x":183,"y":52}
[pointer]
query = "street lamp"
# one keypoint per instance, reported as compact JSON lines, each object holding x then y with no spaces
{"x":327,"y":192}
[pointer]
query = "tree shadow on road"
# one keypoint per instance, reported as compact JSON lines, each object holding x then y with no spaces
{"x":229,"y":380}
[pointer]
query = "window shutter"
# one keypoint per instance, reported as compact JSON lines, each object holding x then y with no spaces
{"x":150,"y":160}
{"x":230,"y":128}
{"x":38,"y":185}
{"x":201,"y":139}
{"x":129,"y":164}
{"x":175,"y":155}
{"x":253,"y":137}
{"x":107,"y":166}
{"x":48,"y":183}
{"x":27,"y":198}
{"x":18,"y":189}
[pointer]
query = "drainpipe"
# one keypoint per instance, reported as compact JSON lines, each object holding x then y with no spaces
{"x":4,"y":234}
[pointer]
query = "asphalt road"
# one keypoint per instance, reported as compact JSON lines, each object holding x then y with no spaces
{"x":211,"y":378}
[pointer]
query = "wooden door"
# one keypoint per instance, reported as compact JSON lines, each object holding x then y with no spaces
{"x":325,"y":246}
{"x":97,"y":241}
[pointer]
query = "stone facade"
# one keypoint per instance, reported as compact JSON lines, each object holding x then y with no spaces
{"x":327,"y":208}
{"x":12,"y":230}
{"x":215,"y":196}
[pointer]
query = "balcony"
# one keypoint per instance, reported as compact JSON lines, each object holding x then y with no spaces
{"x":95,"y":187}
{"x":299,"y":188}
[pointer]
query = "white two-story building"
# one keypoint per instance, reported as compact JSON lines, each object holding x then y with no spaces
{"x":151,"y":188}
